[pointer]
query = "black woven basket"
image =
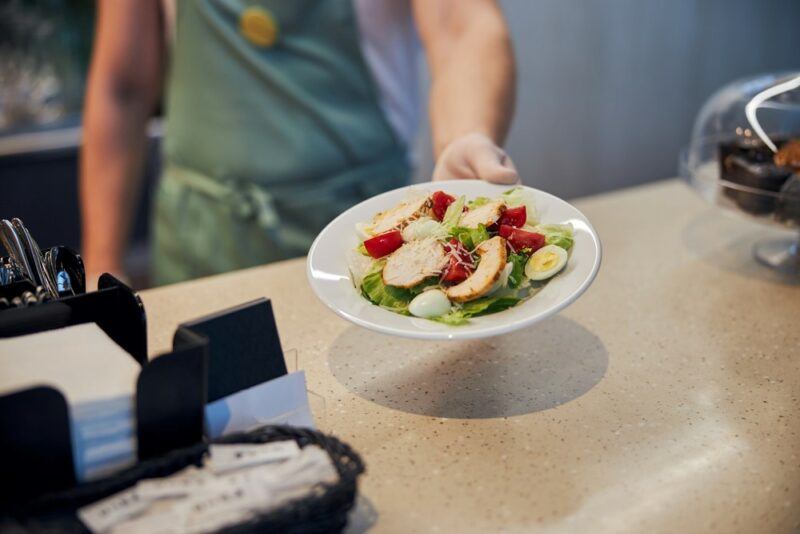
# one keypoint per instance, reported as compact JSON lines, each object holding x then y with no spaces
{"x":325,"y":509}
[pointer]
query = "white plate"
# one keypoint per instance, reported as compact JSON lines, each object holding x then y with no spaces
{"x":329,"y":276}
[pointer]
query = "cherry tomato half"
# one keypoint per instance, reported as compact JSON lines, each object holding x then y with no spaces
{"x":515,"y":217}
{"x":460,"y":264}
{"x":383,"y":244}
{"x":520,"y":239}
{"x":441,"y":201}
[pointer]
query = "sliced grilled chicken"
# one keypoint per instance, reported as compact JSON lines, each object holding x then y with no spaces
{"x":414,"y":262}
{"x":493,"y":261}
{"x":487,"y":215}
{"x":401,"y":215}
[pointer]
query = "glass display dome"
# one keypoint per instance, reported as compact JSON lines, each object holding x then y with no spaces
{"x":745,"y":156}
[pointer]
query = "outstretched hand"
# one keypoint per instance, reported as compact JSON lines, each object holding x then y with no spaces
{"x":475,"y":156}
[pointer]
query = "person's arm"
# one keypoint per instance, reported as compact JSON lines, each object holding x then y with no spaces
{"x":472,"y":87}
{"x":122,"y":91}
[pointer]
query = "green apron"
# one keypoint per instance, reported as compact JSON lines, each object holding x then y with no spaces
{"x":273,"y":129}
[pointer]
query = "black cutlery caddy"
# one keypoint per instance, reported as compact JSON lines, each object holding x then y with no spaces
{"x":211,"y":358}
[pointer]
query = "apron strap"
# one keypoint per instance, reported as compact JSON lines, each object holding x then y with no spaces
{"x":247,"y":200}
{"x":270,"y":206}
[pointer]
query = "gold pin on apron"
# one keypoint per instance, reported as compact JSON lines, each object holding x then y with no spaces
{"x":258,"y":26}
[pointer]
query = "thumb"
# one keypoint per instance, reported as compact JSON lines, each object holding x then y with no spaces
{"x":493,"y":165}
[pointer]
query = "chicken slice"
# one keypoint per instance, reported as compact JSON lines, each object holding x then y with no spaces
{"x":487,"y":215}
{"x":414,"y":262}
{"x":492,"y":263}
{"x":401,"y":215}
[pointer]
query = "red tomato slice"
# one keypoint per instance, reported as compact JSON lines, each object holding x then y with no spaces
{"x":520,"y":239}
{"x":383,"y":244}
{"x":515,"y":217}
{"x":460,"y":264}
{"x":455,"y":273}
{"x":441,"y":201}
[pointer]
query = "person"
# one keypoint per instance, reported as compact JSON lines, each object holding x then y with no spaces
{"x":279,"y":116}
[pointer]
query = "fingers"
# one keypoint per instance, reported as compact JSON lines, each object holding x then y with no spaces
{"x":475,"y":157}
{"x":493,"y":165}
{"x":452,"y":165}
{"x":446,"y":170}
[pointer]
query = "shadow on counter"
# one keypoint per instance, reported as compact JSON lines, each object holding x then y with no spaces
{"x":362,"y":517}
{"x":534,"y":369}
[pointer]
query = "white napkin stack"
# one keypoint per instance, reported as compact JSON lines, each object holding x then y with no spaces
{"x":97,"y":378}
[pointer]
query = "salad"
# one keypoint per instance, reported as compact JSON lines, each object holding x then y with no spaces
{"x":449,"y":259}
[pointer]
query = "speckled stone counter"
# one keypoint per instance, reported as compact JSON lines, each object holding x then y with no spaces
{"x":664,"y":400}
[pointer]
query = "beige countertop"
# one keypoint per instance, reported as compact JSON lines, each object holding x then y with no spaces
{"x":664,"y":400}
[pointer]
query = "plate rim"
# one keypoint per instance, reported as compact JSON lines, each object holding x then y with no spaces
{"x":478,"y":333}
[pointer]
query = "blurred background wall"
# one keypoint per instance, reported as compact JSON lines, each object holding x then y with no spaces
{"x":607,"y":93}
{"x":608,"y":89}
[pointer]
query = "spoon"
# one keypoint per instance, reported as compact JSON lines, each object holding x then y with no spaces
{"x":14,"y":247}
{"x":41,"y":277}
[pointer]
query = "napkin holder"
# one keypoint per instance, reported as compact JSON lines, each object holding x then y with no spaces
{"x":238,"y":338}
{"x":171,"y":390}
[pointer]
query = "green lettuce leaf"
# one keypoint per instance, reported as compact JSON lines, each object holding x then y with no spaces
{"x":454,"y":318}
{"x":557,"y":234}
{"x":476,"y":308}
{"x":487,"y":305}
{"x":517,"y":275}
{"x":422,"y":286}
{"x":362,"y":250}
{"x":392,"y":298}
{"x":477,"y":202}
{"x":453,"y":213}
{"x":470,"y":237}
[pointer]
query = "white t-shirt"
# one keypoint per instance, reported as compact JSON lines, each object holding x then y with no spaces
{"x":390,"y":46}
{"x":391,"y":49}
